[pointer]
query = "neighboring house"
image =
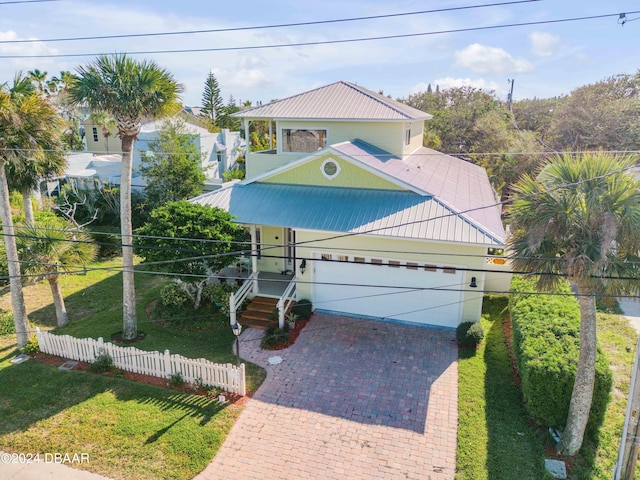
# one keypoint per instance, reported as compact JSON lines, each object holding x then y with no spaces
{"x":220,"y":150}
{"x":371,"y":223}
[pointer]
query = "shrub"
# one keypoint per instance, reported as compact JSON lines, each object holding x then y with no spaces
{"x":469,"y":334}
{"x":303,"y":308}
{"x":546,"y":343}
{"x":176,"y":379}
{"x":7,"y":326}
{"x":218,"y":294}
{"x":275,"y":337}
{"x":32,"y":346}
{"x":172,"y":295}
{"x":103,"y":363}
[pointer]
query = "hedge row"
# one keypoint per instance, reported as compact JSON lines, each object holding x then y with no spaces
{"x":546,"y":343}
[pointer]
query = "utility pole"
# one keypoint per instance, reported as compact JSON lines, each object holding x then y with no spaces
{"x":510,"y":94}
{"x":628,"y":452}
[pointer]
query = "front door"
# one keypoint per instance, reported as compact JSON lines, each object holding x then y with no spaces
{"x":289,"y":249}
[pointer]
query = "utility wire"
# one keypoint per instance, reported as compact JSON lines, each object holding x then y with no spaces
{"x":433,"y":153}
{"x":323,"y":42}
{"x":21,"y":2}
{"x":260,"y":27}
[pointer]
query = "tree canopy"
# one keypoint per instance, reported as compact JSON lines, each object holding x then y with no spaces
{"x":579,"y":218}
{"x":192,"y":239}
{"x":173,"y":166}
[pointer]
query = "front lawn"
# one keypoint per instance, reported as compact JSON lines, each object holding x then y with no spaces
{"x":130,"y":430}
{"x":496,"y":439}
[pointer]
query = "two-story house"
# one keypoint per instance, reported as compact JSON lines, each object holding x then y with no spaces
{"x":220,"y":150}
{"x":344,"y":200}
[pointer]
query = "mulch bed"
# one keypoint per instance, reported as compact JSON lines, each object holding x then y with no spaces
{"x":292,"y":335}
{"x":56,"y":361}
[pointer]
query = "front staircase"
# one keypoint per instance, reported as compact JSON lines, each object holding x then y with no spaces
{"x":258,"y":313}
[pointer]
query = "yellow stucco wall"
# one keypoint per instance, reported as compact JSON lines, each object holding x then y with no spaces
{"x":100,"y":146}
{"x":385,"y":135}
{"x":272,"y":254}
{"x":420,"y":252}
{"x":350,"y":175}
{"x":417,"y":130}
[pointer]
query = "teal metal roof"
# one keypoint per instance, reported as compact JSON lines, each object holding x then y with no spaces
{"x":349,"y":210}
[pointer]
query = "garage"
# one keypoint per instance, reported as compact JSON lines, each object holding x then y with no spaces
{"x":389,"y":289}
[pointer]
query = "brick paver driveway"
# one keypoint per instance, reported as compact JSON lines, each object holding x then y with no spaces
{"x":352,"y":399}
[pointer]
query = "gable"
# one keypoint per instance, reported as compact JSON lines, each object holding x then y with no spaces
{"x":317,"y":172}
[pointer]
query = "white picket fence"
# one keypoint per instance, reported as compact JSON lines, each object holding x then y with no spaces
{"x":227,"y":376}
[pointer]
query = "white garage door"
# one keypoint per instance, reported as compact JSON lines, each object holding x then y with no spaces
{"x":367,"y":289}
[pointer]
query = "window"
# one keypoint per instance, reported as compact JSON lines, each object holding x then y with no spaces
{"x":412,"y":266}
{"x":376,"y":261}
{"x":358,"y":259}
{"x":303,"y":140}
{"x":394,"y":263}
{"x":430,"y":268}
{"x":326,"y":256}
{"x":259,"y":243}
{"x":330,"y":168}
{"x":95,"y":134}
{"x":448,"y":270}
{"x":343,"y":258}
{"x":407,"y":136}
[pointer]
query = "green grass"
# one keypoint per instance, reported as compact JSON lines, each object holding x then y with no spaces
{"x":495,"y":441}
{"x":614,"y":336}
{"x":130,"y":430}
{"x":495,"y":437}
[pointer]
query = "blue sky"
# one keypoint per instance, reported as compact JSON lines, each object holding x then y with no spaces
{"x":544,"y":60}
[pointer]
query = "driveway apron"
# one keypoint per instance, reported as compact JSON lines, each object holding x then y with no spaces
{"x":352,"y":398}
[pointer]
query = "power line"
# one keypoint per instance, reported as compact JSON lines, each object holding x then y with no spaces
{"x":323,"y":42}
{"x":260,"y":27}
{"x":21,"y":2}
{"x":433,"y":153}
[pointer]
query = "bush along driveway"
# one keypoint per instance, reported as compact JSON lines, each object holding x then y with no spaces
{"x":352,"y":398}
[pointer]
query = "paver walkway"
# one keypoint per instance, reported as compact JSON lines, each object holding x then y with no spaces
{"x":352,"y":398}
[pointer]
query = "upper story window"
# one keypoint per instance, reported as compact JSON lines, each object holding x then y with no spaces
{"x":303,"y":140}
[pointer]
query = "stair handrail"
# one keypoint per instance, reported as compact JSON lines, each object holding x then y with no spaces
{"x":285,"y":301}
{"x":236,"y":299}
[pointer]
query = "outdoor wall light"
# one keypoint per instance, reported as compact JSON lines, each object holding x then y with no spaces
{"x":303,"y":266}
{"x":473,"y":283}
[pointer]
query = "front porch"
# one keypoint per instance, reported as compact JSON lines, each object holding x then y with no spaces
{"x":268,"y":292}
{"x":270,"y":285}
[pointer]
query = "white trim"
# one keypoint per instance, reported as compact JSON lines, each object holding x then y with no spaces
{"x":338,"y":168}
{"x":330,"y":150}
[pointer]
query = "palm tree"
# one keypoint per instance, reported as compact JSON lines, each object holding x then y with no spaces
{"x":106,"y":123}
{"x":28,"y":124}
{"x":39,"y":79}
{"x":52,"y":248}
{"x":579,"y":218}
{"x":129,"y":90}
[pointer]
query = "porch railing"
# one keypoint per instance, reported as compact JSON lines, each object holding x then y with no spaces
{"x":285,"y":301}
{"x":236,"y":299}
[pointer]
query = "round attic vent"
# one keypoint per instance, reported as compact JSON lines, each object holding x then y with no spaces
{"x":330,"y":168}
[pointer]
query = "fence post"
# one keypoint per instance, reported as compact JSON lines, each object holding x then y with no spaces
{"x":100,"y":347}
{"x":167,"y":364}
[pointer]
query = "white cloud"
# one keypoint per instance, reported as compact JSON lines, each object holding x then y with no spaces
{"x":449,"y":82}
{"x":543,"y":44}
{"x":483,"y":59}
